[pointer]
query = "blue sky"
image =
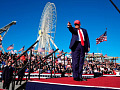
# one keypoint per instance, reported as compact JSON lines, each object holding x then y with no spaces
{"x":95,"y":16}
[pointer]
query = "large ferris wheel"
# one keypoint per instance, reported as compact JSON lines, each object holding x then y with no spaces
{"x":47,"y":27}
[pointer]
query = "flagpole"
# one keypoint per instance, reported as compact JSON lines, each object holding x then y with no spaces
{"x":97,"y":47}
{"x":102,"y":38}
{"x":97,"y":50}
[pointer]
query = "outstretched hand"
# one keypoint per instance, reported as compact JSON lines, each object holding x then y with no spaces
{"x":69,"y":24}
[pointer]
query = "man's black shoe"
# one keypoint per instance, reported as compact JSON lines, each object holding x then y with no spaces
{"x":76,"y":79}
{"x":81,"y":79}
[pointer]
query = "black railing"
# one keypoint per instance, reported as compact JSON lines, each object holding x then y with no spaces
{"x":64,"y":57}
{"x":29,"y":65}
{"x":13,"y":81}
{"x":53,"y":58}
{"x":46,"y":57}
{"x":38,"y":65}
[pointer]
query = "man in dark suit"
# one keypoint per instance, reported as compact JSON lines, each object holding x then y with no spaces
{"x":7,"y":76}
{"x":79,"y":45}
{"x":20,"y":74}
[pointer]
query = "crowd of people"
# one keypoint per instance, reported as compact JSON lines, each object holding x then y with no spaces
{"x":36,"y":62}
{"x":45,"y":65}
{"x":104,"y":67}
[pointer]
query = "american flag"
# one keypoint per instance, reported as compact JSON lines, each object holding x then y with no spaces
{"x":10,"y":47}
{"x":22,"y":49}
{"x":105,"y":56}
{"x":0,"y":45}
{"x":102,"y":38}
{"x":41,"y":49}
{"x":51,"y":50}
{"x":60,"y":52}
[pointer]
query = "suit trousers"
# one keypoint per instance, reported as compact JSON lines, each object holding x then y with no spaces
{"x":78,"y":54}
{"x":6,"y":85}
{"x":19,"y":79}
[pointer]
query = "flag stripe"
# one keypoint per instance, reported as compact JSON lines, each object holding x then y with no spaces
{"x":41,"y":49}
{"x":10,"y":47}
{"x":22,"y":49}
{"x":102,"y":38}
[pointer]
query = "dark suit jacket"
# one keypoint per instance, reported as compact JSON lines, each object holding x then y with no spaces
{"x":7,"y":74}
{"x":74,"y":32}
{"x":21,"y":73}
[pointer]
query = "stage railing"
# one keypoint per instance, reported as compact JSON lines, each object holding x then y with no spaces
{"x":46,"y":57}
{"x":14,"y":76}
{"x":53,"y":59}
{"x":51,"y":55}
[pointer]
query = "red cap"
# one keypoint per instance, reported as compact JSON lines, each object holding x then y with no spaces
{"x":77,"y":22}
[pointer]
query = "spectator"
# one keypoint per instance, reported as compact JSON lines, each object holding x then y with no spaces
{"x":20,"y":74}
{"x":7,"y":76}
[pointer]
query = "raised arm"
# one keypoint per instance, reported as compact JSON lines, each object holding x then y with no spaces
{"x":71,"y":29}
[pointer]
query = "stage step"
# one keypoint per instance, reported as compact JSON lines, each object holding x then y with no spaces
{"x":21,"y":87}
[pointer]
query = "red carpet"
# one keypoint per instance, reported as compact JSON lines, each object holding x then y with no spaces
{"x":103,"y":82}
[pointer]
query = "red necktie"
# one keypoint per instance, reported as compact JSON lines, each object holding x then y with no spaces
{"x":81,"y":37}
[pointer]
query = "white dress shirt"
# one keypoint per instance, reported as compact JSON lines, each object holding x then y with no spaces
{"x":79,"y":39}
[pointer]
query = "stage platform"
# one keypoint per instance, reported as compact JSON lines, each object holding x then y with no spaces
{"x":67,"y":83}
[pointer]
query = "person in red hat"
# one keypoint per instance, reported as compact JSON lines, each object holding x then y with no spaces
{"x":79,"y":45}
